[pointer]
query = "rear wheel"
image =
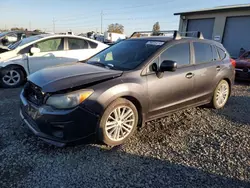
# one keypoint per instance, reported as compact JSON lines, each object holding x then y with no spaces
{"x":118,"y":122}
{"x":221,"y":94}
{"x":11,"y":78}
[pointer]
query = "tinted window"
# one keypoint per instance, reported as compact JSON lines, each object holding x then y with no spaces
{"x":222,"y":53}
{"x":126,"y":55}
{"x":92,"y":44}
{"x":215,"y":53}
{"x":203,"y":52}
{"x":179,"y":53}
{"x":50,"y":45}
{"x":77,"y":44}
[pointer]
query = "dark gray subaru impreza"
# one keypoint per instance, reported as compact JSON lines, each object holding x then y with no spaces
{"x":134,"y":81}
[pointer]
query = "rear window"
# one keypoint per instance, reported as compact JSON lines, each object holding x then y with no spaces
{"x":203,"y":52}
{"x":222,"y":53}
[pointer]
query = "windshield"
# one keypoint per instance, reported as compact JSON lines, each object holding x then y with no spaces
{"x":25,"y":41}
{"x":126,"y":55}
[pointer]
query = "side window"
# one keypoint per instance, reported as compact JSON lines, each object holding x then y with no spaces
{"x":77,"y":44}
{"x":179,"y":53}
{"x":92,"y":44}
{"x":222,"y":53}
{"x":203,"y":52}
{"x":215,"y":54}
{"x":51,"y":45}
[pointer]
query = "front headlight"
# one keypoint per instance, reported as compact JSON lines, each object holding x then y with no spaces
{"x":68,"y":100}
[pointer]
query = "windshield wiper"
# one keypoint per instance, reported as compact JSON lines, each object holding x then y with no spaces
{"x":109,"y":66}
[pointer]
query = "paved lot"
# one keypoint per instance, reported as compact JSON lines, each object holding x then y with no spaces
{"x":192,"y":148}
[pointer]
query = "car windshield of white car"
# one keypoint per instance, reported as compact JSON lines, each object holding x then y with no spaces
{"x":126,"y":55}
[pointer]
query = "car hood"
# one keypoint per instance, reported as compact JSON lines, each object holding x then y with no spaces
{"x":71,"y":75}
{"x":242,"y":63}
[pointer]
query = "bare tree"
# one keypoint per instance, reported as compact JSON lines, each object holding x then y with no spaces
{"x":116,"y":28}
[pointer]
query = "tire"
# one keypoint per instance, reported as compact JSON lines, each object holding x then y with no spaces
{"x":106,"y":133}
{"x":221,"y":91}
{"x":12,"y":77}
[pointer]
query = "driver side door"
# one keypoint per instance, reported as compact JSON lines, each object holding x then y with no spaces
{"x":171,"y":90}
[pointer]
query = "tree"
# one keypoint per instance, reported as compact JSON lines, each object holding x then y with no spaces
{"x":37,"y":30}
{"x":17,"y":29}
{"x":116,"y":28}
{"x":156,"y":28}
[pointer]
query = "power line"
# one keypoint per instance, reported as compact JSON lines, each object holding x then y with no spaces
{"x":101,"y":20}
{"x":54,"y":23}
{"x":122,"y":8}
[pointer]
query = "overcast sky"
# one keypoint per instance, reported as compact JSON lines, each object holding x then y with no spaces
{"x":85,"y":15}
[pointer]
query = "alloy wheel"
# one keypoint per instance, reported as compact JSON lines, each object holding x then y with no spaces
{"x":11,"y":78}
{"x":120,"y":123}
{"x":222,"y":94}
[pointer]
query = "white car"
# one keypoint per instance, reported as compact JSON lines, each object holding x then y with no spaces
{"x":37,"y":52}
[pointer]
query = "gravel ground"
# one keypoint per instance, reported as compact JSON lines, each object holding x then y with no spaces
{"x":192,"y":148}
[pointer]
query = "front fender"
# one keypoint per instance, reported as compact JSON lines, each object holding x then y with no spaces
{"x":137,"y":91}
{"x":20,"y":61}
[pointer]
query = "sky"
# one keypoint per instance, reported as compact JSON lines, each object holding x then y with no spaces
{"x":81,"y":16}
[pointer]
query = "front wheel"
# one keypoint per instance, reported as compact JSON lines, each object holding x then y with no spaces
{"x":221,"y":94}
{"x":12,"y":78}
{"x":118,"y":122}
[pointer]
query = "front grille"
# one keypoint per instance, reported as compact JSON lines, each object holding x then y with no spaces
{"x":33,"y":94}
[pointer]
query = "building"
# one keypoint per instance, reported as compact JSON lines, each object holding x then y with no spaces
{"x":229,"y":25}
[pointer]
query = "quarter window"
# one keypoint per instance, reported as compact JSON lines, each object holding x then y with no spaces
{"x":180,"y":53}
{"x":203,"y":52}
{"x":77,"y":44}
{"x":222,"y":53}
{"x":215,"y":53}
{"x":50,"y":45}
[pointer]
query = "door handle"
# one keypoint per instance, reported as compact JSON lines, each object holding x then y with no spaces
{"x":189,"y":75}
{"x":218,"y":68}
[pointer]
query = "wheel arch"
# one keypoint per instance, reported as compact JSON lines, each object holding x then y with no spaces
{"x":138,"y":106}
{"x":16,"y":66}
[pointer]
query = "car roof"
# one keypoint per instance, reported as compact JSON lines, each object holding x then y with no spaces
{"x":167,"y":39}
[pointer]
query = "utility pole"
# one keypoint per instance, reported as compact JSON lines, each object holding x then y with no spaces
{"x":29,"y":25}
{"x":54,"y":25}
{"x":101,"y":20}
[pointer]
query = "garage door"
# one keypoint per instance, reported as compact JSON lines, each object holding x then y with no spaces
{"x":237,"y":34}
{"x":206,"y":26}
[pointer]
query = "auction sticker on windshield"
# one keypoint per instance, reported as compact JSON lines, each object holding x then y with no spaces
{"x":156,"y":43}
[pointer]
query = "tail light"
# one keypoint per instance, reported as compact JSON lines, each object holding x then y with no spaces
{"x":233,"y":62}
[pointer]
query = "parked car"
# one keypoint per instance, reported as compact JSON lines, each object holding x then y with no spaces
{"x":243,"y":67}
{"x":10,"y":37}
{"x":110,"y":37}
{"x":37,"y":52}
{"x":123,"y":86}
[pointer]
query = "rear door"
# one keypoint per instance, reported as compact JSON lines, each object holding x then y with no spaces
{"x":81,"y":49}
{"x":171,"y":90}
{"x":207,"y":66}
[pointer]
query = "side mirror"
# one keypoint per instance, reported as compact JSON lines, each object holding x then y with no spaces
{"x":34,"y":50}
{"x":168,"y":65}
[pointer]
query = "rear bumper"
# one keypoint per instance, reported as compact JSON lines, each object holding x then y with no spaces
{"x":59,"y":127}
